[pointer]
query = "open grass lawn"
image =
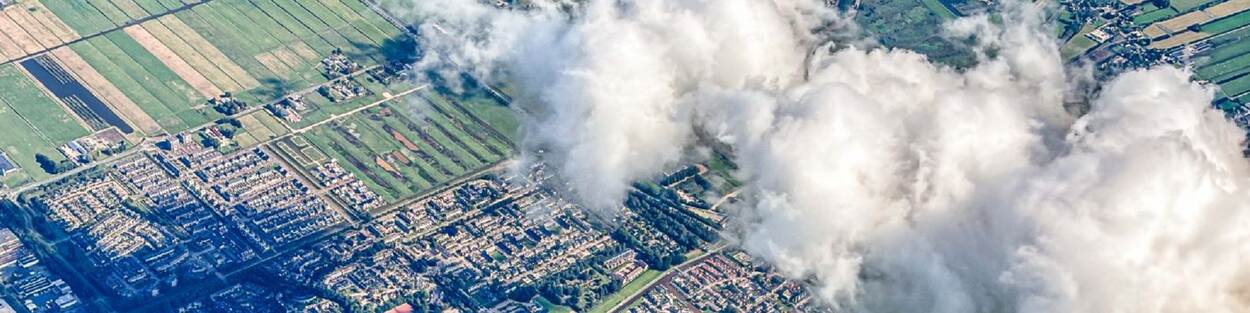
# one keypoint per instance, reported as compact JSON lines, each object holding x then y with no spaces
{"x":23,"y":95}
{"x":626,"y":291}
{"x":110,"y":11}
{"x":171,"y":92}
{"x":552,"y":307}
{"x":189,"y":96}
{"x":84,"y":18}
{"x":1076,"y":47}
{"x":153,"y":7}
{"x":1226,"y":51}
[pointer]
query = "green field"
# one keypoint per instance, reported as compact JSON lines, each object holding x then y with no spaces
{"x":45,"y":114}
{"x":322,"y":25}
{"x":145,"y":80}
{"x":491,"y":112}
{"x":938,"y":8}
{"x":483,"y":130}
{"x":1236,"y":87}
{"x":552,"y":307}
{"x":628,"y":290}
{"x":1148,"y":18}
{"x":1227,"y":23}
{"x":1214,"y":70}
{"x":438,"y":148}
{"x":110,"y":11}
{"x":1077,"y":46}
{"x":1187,"y":5}
{"x":80,"y":16}
{"x":32,"y":123}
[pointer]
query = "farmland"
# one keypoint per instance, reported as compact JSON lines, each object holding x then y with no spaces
{"x":29,"y":28}
{"x":409,"y":145}
{"x":33,"y":123}
{"x":168,"y":58}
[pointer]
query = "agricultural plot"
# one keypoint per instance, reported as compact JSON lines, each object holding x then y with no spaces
{"x":1148,"y":17}
{"x":142,"y":78}
{"x":276,"y":45}
{"x":1236,"y":88}
{"x":33,"y":123}
{"x":105,"y":90}
{"x":82,"y":16}
{"x":1186,"y":5}
{"x":44,"y":114}
{"x":21,"y":143}
{"x":938,"y":8}
{"x":1215,"y":71}
{"x":406,"y":146}
{"x":1228,"y":23}
{"x":258,"y":127}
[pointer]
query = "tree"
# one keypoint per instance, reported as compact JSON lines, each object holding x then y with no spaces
{"x":46,"y":163}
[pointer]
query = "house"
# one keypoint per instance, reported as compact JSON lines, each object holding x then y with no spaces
{"x":6,"y":165}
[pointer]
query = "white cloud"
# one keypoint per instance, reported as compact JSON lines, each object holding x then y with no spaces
{"x":897,"y":184}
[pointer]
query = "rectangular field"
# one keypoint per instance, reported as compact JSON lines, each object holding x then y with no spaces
{"x":82,"y":16}
{"x":406,"y":146}
{"x":105,"y":90}
{"x":1227,"y":23}
{"x":47,"y":117}
{"x":1212,"y":71}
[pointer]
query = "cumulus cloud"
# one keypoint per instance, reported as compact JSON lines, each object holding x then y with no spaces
{"x":895,"y":184}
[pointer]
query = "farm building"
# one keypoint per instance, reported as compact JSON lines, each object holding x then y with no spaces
{"x":6,"y":165}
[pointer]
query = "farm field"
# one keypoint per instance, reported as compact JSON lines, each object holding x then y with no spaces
{"x":258,"y":127}
{"x":1149,"y":17}
{"x":173,"y":58}
{"x":1228,"y":23}
{"x":406,"y":146}
{"x":143,"y":78}
{"x":24,"y":96}
{"x":33,"y":123}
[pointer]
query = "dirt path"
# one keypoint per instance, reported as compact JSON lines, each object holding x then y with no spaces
{"x":175,"y":63}
{"x":106,"y":91}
